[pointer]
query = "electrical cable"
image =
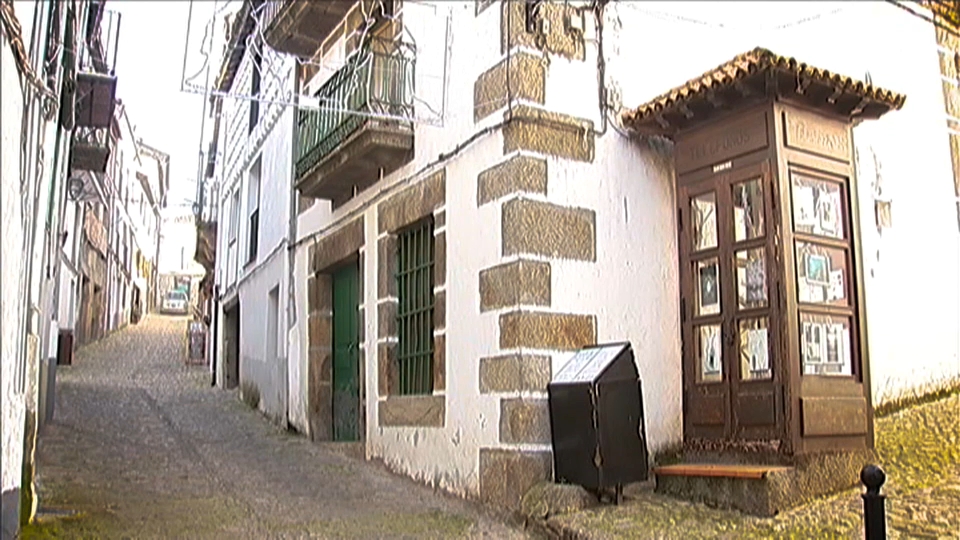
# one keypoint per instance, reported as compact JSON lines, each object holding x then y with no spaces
{"x":670,"y":17}
{"x":932,"y":20}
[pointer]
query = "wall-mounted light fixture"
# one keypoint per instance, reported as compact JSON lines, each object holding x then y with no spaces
{"x":74,"y":188}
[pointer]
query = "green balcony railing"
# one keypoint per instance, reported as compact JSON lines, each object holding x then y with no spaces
{"x":373,"y":84}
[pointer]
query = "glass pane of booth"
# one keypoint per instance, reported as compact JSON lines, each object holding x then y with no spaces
{"x":754,"y":350}
{"x":703,"y":216}
{"x":747,"y":210}
{"x":751,"y":278}
{"x":707,"y":286}
{"x":817,"y":206}
{"x":825,"y":345}
{"x":709,"y":365}
{"x":822,"y":276}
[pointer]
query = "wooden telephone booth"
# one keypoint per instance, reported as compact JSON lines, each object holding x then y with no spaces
{"x":775,"y":362}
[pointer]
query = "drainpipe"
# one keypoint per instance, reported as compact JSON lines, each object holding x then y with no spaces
{"x":292,"y":242}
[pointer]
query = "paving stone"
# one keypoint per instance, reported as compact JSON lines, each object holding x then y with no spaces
{"x":143,"y":447}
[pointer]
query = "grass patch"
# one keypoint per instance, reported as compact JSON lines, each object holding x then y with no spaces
{"x":433,"y":524}
{"x":918,"y":448}
{"x":927,"y":393}
{"x":75,"y":526}
{"x":144,"y":517}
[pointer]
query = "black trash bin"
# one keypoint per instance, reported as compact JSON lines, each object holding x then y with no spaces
{"x":596,"y":420}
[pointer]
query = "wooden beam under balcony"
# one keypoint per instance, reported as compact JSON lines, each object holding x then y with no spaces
{"x":299,"y":27}
{"x":376,"y":147}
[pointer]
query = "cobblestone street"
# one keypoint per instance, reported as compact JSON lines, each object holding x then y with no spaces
{"x":143,"y":447}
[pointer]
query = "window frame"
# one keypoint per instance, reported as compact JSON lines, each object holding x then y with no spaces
{"x":416,"y":301}
{"x":254,"y":181}
{"x":256,"y":66}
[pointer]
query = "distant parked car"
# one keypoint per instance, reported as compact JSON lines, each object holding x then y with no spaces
{"x":175,"y":302}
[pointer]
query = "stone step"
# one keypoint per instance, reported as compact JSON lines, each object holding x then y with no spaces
{"x":762,"y":490}
{"x":758,"y":483}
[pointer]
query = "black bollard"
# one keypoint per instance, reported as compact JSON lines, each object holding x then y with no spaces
{"x":874,"y":514}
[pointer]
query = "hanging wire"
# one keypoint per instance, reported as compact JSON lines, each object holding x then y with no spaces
{"x":206,"y":44}
{"x":272,"y":72}
{"x":672,"y":17}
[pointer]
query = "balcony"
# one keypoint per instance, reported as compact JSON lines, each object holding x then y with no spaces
{"x":91,"y":149}
{"x":96,"y":99}
{"x":299,"y":27}
{"x":362,"y":131}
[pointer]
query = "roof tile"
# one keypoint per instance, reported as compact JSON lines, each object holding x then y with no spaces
{"x":751,"y":62}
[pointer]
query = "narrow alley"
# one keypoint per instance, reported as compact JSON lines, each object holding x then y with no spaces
{"x":143,"y":447}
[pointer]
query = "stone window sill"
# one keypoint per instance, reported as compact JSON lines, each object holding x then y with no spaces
{"x":412,"y":411}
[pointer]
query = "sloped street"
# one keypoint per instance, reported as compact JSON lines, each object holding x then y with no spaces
{"x":143,"y":447}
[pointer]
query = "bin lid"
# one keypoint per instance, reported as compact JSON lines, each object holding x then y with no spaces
{"x":589,"y":363}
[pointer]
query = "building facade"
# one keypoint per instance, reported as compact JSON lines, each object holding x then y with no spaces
{"x":86,"y":212}
{"x":155,"y":177}
{"x":111,"y":237}
{"x":254,"y":190}
{"x":443,"y":274}
{"x":45,"y":125}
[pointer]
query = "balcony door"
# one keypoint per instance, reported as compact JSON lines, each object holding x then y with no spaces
{"x":731,"y":374}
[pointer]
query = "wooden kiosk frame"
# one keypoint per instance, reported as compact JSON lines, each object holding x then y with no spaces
{"x":772,"y":310}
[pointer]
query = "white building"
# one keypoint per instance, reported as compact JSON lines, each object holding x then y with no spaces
{"x":110,"y":234}
{"x":443,"y":274}
{"x":253,"y":179}
{"x":144,"y":208}
{"x":39,"y":115}
{"x":139,"y":173}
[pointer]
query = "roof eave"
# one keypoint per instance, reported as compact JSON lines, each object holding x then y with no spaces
{"x":241,"y":29}
{"x":754,"y":76}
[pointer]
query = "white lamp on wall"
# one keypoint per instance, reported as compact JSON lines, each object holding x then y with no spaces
{"x":74,"y":188}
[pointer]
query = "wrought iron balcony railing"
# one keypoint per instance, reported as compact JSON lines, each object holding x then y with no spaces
{"x":375,"y":84}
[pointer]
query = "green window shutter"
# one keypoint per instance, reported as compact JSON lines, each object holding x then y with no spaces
{"x":415,"y":308}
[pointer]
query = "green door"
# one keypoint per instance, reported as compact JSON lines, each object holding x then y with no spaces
{"x":346,"y":349}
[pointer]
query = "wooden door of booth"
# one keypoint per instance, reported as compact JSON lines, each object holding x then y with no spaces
{"x":732,"y":377}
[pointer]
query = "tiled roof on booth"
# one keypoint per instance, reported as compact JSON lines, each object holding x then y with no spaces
{"x":752,"y":63}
